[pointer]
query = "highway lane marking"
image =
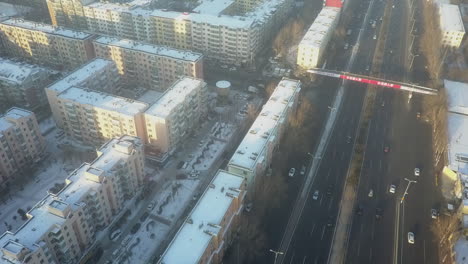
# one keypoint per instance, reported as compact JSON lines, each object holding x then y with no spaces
{"x":370,"y":255}
{"x":370,"y":164}
{"x":312,"y":231}
{"x":304,"y":259}
{"x":292,"y":257}
{"x":380,"y":165}
{"x":323,"y":232}
{"x":328,"y":174}
{"x":342,"y":155}
{"x":321,"y":199}
{"x":424,"y":250}
{"x":373,"y":229}
{"x":396,"y":233}
{"x":330,"y":204}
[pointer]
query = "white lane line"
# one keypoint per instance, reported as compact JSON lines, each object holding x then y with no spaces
{"x":330,"y":204}
{"x":292,"y":257}
{"x":304,"y":259}
{"x":323,"y":232}
{"x":359,"y":247}
{"x":321,"y":199}
{"x":312,"y":231}
{"x":370,"y":255}
{"x":380,"y":165}
{"x":424,"y":250}
{"x":329,"y":171}
{"x":370,"y":164}
{"x":373,"y":229}
{"x":342,"y":155}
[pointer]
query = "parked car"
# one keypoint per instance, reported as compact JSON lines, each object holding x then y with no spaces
{"x":378,"y":213}
{"x":392,"y":188}
{"x":292,"y":171}
{"x":434,"y":214}
{"x":150,"y":206}
{"x":303,"y":170}
{"x":371,"y":193}
{"x":416,"y":171}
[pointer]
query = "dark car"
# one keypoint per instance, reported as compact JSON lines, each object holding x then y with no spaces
{"x":378,"y":213}
{"x":360,"y":210}
{"x":330,"y":221}
{"x":135,"y":228}
{"x":330,"y":189}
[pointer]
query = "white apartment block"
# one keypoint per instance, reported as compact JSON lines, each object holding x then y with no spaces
{"x":254,"y":154}
{"x":212,"y":224}
{"x":21,"y":143}
{"x":93,"y":117}
{"x":451,"y":25}
{"x":171,"y":119}
{"x":68,"y":13}
{"x":315,"y":41}
{"x":45,"y":44}
{"x":98,"y":74}
{"x":22,"y":84}
{"x":149,"y":66}
{"x":61,"y":227}
{"x":225,"y":38}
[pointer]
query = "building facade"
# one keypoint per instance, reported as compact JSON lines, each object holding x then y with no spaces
{"x":21,"y":143}
{"x":315,"y":41}
{"x":149,"y":66}
{"x":212,"y":224}
{"x":93,"y":117}
{"x":174,"y":116}
{"x":451,"y":25}
{"x":22,"y":84}
{"x":45,"y":44}
{"x":254,"y":154}
{"x":97,"y":74}
{"x":68,"y":13}
{"x":61,"y":227}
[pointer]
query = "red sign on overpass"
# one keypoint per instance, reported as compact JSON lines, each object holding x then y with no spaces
{"x":374,"y":82}
{"x":333,"y":3}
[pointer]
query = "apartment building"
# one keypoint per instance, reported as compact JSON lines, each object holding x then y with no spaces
{"x":92,"y":117}
{"x":314,"y":43}
{"x":149,"y":66}
{"x":45,"y":44}
{"x":211,"y":225}
{"x":61,"y":227}
{"x":171,"y":119}
{"x":224,"y":38}
{"x":97,"y":74}
{"x":68,"y":13}
{"x":254,"y":154}
{"x":21,"y":143}
{"x":451,"y":25}
{"x":22,"y":84}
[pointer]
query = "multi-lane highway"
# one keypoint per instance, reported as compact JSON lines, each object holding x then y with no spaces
{"x":395,"y":125}
{"x":313,"y":234}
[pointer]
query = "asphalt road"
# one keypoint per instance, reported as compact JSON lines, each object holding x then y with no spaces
{"x":394,"y":124}
{"x":312,"y":238}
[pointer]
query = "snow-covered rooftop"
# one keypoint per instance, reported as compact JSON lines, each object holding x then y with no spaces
{"x":103,"y":100}
{"x":457,"y":96}
{"x":149,"y":48}
{"x":174,"y":96}
{"x":213,"y":7}
{"x":204,"y":221}
{"x":458,"y":142}
{"x":12,"y":113}
{"x":16,"y":72}
{"x":251,"y":149}
{"x":114,"y":152}
{"x":15,"y":22}
{"x":450,"y":18}
{"x":208,"y":13}
{"x":319,"y":29}
{"x":9,"y":10}
{"x":80,"y":75}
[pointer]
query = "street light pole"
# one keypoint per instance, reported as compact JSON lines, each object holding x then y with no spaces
{"x":276,"y":254}
{"x":406,"y":190}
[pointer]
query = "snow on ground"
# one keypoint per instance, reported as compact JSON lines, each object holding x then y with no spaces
{"x":171,"y":203}
{"x":461,"y":251}
{"x":53,"y":170}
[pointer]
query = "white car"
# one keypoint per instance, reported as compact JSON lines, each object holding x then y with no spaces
{"x":371,"y":193}
{"x":392,"y":188}
{"x":316,"y":195}
{"x":375,"y":36}
{"x":292,"y":171}
{"x":150,"y":206}
{"x":303,"y":170}
{"x":434,"y":214}
{"x":416,"y":171}
{"x":411,"y":237}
